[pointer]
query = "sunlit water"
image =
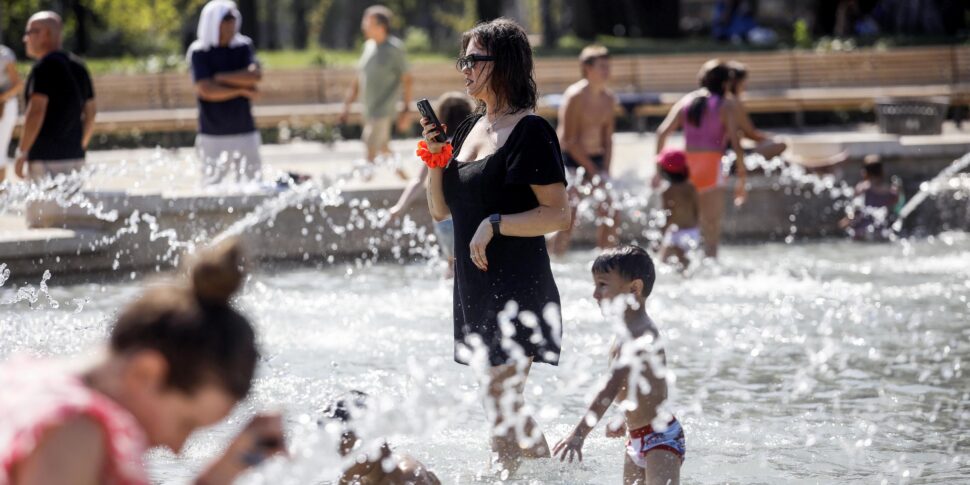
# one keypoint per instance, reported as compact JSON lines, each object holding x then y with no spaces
{"x":811,"y":363}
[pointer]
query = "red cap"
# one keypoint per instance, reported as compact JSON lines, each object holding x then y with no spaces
{"x":672,"y":161}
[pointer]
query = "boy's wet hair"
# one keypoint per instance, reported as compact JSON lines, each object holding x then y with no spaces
{"x":872,"y":165}
{"x":202,"y":338}
{"x":344,"y":407}
{"x":632,"y":262}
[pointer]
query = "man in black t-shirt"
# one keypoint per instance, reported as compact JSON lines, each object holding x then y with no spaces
{"x":60,"y":104}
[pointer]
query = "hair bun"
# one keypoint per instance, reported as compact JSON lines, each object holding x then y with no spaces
{"x":217,"y":272}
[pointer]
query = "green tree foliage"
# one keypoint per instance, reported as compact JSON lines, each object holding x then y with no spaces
{"x":143,"y":26}
{"x":335,"y":23}
{"x":138,"y":28}
{"x":107,"y":27}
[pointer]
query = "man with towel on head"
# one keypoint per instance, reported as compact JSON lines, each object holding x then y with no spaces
{"x":226,"y":74}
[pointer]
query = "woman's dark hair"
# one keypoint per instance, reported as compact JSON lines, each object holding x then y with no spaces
{"x":202,"y":338}
{"x":453,"y":108}
{"x":632,"y":262}
{"x":674,"y":178}
{"x":713,"y":76}
{"x":512,"y":78}
{"x":737,"y":72}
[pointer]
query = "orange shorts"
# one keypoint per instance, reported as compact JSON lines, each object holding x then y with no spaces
{"x":705,"y":169}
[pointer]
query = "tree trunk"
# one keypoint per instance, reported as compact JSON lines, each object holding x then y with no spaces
{"x":658,"y":18}
{"x":550,"y":31}
{"x":584,"y":22}
{"x":272,"y":28}
{"x":300,"y":28}
{"x":250,"y":24}
{"x":81,"y":31}
{"x":488,"y":9}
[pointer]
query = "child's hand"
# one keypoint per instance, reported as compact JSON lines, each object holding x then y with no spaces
{"x":260,"y":439}
{"x":571,"y":445}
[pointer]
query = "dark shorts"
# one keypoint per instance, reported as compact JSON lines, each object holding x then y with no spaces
{"x":572,"y":164}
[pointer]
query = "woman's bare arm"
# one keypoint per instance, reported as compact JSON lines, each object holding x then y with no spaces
{"x":729,"y":117}
{"x":672,"y":123}
{"x":16,"y":84}
{"x":552,"y":215}
{"x":746,"y":125}
{"x":436,"y":195}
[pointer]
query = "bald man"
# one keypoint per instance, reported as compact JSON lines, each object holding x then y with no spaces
{"x":60,"y":105}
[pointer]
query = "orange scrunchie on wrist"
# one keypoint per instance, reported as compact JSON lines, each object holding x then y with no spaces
{"x":434,"y":160}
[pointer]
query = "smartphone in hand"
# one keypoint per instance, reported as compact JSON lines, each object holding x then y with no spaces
{"x":424,"y":107}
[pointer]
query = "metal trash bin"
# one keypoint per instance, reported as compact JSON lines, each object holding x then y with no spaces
{"x":911,"y":116}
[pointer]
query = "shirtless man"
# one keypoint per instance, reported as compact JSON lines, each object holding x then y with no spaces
{"x":586,"y":122}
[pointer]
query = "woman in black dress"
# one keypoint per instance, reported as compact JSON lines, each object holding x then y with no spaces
{"x":504,"y":189}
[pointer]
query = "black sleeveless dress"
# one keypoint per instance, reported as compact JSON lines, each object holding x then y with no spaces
{"x":513,"y":308}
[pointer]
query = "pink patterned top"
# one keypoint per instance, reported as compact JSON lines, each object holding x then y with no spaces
{"x":37,"y":396}
{"x":711,"y":134}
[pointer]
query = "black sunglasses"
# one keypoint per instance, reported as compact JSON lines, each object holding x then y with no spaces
{"x":469,"y":61}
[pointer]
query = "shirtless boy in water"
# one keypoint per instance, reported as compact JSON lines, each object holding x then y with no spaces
{"x":366,"y":467}
{"x":623,"y":279}
{"x":586,"y":123}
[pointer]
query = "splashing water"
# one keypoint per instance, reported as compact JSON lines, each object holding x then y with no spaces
{"x":930,"y":188}
{"x":806,"y":363}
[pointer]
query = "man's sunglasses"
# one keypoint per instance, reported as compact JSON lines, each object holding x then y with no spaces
{"x":469,"y":61}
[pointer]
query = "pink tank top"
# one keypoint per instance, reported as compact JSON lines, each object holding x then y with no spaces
{"x":710,"y":135}
{"x":37,"y":396}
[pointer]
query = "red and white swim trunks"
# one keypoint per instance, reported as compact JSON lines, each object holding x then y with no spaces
{"x":645,"y":439}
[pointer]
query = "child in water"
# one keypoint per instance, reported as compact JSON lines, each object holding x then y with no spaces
{"x":876,"y":205}
{"x":385,"y":468}
{"x":681,"y":205}
{"x":179,"y":358}
{"x":623,"y":278}
{"x":452,"y":108}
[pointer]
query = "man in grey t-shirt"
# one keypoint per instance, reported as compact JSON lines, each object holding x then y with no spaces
{"x":383,"y":74}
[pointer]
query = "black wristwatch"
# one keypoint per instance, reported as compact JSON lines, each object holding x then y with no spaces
{"x":496,"y":221}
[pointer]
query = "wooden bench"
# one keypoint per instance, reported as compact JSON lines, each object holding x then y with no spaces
{"x":784,"y":82}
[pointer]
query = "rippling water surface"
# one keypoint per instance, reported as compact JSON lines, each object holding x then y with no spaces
{"x":822,"y":362}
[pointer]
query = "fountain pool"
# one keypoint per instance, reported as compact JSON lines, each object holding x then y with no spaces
{"x":807,"y":363}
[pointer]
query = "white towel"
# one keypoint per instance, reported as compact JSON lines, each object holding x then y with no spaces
{"x":209,"y":21}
